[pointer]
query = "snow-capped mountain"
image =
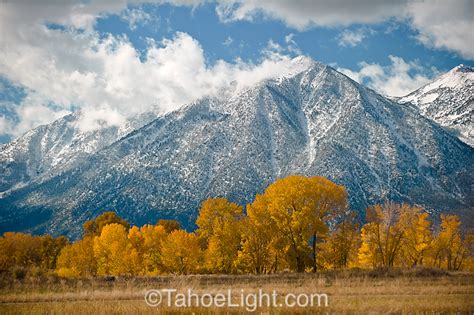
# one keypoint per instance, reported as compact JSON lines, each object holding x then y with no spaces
{"x":314,"y":121}
{"x":449,"y":100}
{"x":51,"y":149}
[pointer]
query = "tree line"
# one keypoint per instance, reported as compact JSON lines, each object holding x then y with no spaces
{"x":300,"y":224}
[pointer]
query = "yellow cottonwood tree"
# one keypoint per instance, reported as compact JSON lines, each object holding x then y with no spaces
{"x":300,"y":208}
{"x":153,"y":238}
{"x":450,"y":249}
{"x":19,"y":250}
{"x":181,"y":253}
{"x":49,"y":250}
{"x":369,"y":253}
{"x":417,"y":236}
{"x":258,"y":254}
{"x":110,"y":250}
{"x":25,"y":250}
{"x":468,"y":263}
{"x":94,"y":227}
{"x":219,"y":223}
{"x":329,"y":200}
{"x":77,"y":259}
{"x":134,"y":252}
{"x":290,"y":210}
{"x":342,"y":243}
{"x":382,"y":236}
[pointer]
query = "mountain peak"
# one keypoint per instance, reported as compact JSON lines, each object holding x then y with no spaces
{"x":297,"y":65}
{"x":462,"y":68}
{"x":447,"y":100}
{"x":457,"y":78}
{"x":303,"y":60}
{"x":315,"y":122}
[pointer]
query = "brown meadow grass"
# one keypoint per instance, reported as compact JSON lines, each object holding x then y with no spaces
{"x":416,"y":291}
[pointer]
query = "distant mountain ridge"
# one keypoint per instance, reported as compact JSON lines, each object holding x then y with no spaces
{"x":313,"y":121}
{"x":51,"y":149}
{"x":449,"y":101}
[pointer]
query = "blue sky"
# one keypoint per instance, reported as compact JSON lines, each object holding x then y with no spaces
{"x":249,"y":38}
{"x":115,"y":60}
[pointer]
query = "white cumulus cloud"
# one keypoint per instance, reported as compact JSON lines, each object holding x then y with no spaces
{"x":351,"y":38}
{"x":63,"y":70}
{"x":397,"y":79}
{"x":138,"y":16}
{"x":73,"y":68}
{"x":446,"y":24}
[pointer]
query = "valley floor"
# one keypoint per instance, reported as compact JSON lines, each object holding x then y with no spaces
{"x":353,"y":291}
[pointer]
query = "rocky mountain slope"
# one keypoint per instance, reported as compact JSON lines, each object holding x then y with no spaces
{"x":315,"y":121}
{"x":449,"y":100}
{"x":48,"y":150}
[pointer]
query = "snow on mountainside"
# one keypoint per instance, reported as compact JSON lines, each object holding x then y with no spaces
{"x":313,"y":121}
{"x":449,"y":100}
{"x":48,"y":150}
{"x":51,"y":149}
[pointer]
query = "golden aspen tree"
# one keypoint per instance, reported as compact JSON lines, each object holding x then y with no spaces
{"x":382,"y":236}
{"x":77,"y":259}
{"x":257,"y":252}
{"x":329,"y":200}
{"x":219,"y":224}
{"x":300,"y":208}
{"x":342,"y":243}
{"x":169,"y":225}
{"x":450,"y":249}
{"x":153,"y":237}
{"x":110,"y":250}
{"x":94,"y":227}
{"x":417,"y":235}
{"x":181,"y":253}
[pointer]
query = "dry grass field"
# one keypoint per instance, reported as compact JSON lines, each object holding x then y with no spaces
{"x":418,"y":291}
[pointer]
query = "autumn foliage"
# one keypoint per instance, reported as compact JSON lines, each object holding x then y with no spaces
{"x":298,"y":223}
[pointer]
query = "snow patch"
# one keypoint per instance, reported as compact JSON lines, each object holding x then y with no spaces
{"x":429,"y":98}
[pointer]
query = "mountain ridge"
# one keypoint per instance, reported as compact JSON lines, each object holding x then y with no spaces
{"x":315,"y":122}
{"x":449,"y":101}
